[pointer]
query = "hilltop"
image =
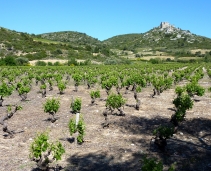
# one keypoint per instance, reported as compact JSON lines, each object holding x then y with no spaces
{"x":165,"y":35}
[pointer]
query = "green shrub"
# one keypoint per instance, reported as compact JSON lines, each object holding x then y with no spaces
{"x":40,"y":63}
{"x":41,"y":151}
{"x":22,"y":61}
{"x":10,"y":61}
{"x":76,"y":105}
{"x":73,"y":128}
{"x":115,"y":101}
{"x":51,"y":106}
{"x":151,"y":164}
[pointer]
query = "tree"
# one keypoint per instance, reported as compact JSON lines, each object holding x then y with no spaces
{"x":40,"y":63}
{"x":10,"y":61}
{"x":73,"y":62}
{"x":22,"y":61}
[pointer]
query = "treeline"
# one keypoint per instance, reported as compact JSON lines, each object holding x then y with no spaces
{"x":12,"y":61}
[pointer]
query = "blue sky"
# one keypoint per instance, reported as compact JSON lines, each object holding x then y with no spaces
{"x":103,"y":19}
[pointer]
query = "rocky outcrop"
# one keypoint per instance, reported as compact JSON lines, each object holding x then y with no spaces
{"x":167,"y":27}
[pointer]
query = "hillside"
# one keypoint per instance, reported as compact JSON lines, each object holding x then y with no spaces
{"x":47,"y":46}
{"x":71,"y":37}
{"x":165,"y":35}
{"x":166,"y":41}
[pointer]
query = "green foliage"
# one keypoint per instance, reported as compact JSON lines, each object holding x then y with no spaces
{"x":194,"y":88}
{"x":40,"y":63}
{"x":81,"y":130}
{"x":179,"y":115}
{"x":95,"y":94}
{"x":179,"y":90}
{"x":73,"y":128}
{"x":19,"y":107}
{"x":10,"y":61}
{"x":164,"y":132}
{"x":77,"y":78}
{"x":72,"y":62}
{"x":24,"y":90}
{"x":9,"y":108}
{"x":57,"y":150}
{"x":57,"y":63}
{"x":58,"y":78}
{"x":109,"y":82}
{"x":76,"y":105}
{"x":151,"y":164}
{"x":115,"y":101}
{"x":51,"y":106}
{"x":61,"y":86}
{"x":22,"y":61}
{"x":41,"y":145}
{"x":91,"y":80}
{"x":5,"y":90}
{"x":43,"y":86}
{"x":183,"y":102}
{"x":155,"y":61}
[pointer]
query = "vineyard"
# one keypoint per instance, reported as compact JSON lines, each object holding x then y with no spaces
{"x":126,"y":117}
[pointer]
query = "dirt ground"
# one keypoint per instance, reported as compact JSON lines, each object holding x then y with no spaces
{"x":120,"y":147}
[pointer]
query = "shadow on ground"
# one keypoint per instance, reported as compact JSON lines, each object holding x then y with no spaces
{"x":102,"y":161}
{"x":190,"y":148}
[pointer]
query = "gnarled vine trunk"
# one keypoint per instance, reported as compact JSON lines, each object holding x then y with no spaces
{"x":43,"y":93}
{"x":6,"y":117}
{"x":105,"y":114}
{"x":23,"y":96}
{"x":1,"y":101}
